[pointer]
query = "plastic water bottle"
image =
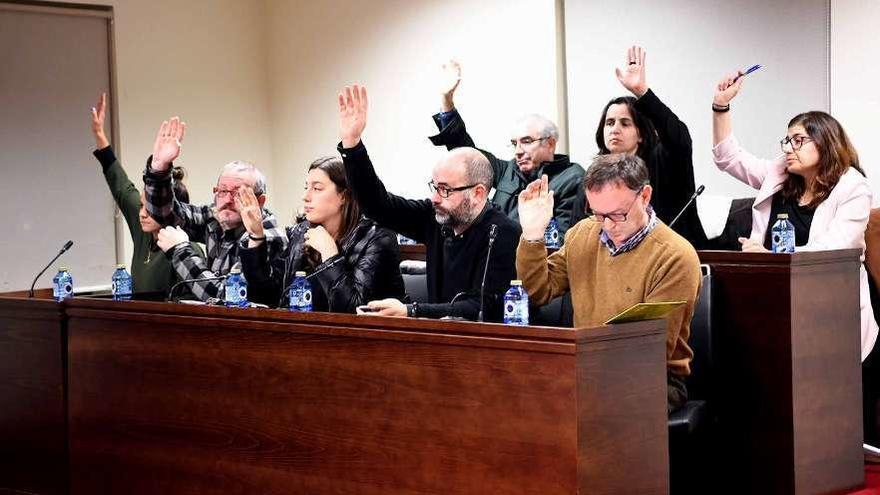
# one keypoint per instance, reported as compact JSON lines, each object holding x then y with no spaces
{"x":551,"y":235}
{"x":62,"y":284}
{"x":236,"y":289}
{"x":121,"y":284}
{"x":404,"y":240}
{"x":300,"y":293}
{"x":782,"y":235}
{"x":516,"y":305}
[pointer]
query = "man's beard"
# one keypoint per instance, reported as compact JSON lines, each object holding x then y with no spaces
{"x":223,"y":219}
{"x":461,"y":216}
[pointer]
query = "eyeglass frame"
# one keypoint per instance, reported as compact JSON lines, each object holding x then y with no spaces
{"x":609,"y":216}
{"x":518,"y":142}
{"x":230,"y":192}
{"x":790,"y":141}
{"x":434,"y":188}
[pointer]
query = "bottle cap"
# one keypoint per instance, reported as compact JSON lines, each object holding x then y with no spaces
{"x":121,"y":265}
{"x":62,"y":269}
{"x":299,"y":274}
{"x":235,"y":270}
{"x":516,"y":282}
{"x":782,"y":215}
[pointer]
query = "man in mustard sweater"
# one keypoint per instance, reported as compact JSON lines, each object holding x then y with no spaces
{"x":619,"y":256}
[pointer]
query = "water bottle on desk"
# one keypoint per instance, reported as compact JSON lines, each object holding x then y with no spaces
{"x":62,"y":284}
{"x":782,"y":235}
{"x":235,"y":295}
{"x":551,"y":235}
{"x":300,"y":293}
{"x":121,"y":284}
{"x":516,"y":305}
{"x":404,"y":240}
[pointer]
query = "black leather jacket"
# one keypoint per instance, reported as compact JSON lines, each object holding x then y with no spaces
{"x":366,"y":268}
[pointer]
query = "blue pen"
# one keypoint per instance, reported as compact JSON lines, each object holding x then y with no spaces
{"x":749,"y":71}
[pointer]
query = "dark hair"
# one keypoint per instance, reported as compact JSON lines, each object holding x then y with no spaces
{"x":610,"y":169}
{"x":180,"y":190}
{"x":836,"y":156}
{"x":335,"y":170}
{"x":646,"y":128}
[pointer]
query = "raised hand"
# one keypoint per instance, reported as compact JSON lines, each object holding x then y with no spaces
{"x":321,"y":241}
{"x":633,"y":75}
{"x":727,"y":89}
{"x":166,"y":149}
{"x":251,"y":213}
{"x":98,"y":114}
{"x":535,"y":209}
{"x":170,"y":237}
{"x":450,"y":77}
{"x":353,"y":106}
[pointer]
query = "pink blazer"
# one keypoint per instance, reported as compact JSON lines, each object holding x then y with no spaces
{"x":838,"y":223}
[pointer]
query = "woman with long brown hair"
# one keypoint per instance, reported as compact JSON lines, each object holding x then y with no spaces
{"x":817,"y":181}
{"x":349,"y":260}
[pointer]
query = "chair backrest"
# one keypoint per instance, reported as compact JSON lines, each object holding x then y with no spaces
{"x":872,"y":244}
{"x":701,"y":380}
{"x":416,"y":286}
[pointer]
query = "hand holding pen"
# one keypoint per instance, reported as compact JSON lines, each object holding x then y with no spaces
{"x":729,"y":87}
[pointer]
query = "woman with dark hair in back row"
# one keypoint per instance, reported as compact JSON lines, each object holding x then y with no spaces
{"x":348,"y":258}
{"x":643,"y":125}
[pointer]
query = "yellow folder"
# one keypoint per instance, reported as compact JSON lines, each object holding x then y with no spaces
{"x":644,"y":311}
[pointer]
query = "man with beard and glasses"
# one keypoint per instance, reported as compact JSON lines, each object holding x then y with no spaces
{"x":218,"y":226}
{"x":454,"y":224}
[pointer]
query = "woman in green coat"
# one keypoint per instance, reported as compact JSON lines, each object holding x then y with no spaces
{"x":151,"y":270}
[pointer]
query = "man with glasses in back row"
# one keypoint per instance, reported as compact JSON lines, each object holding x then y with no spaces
{"x":455,"y":224}
{"x":533,"y":142}
{"x":623,"y":252}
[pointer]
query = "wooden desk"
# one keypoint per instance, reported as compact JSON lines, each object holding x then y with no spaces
{"x":789,"y":393}
{"x":176,"y":399}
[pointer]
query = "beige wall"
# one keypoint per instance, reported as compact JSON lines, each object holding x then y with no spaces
{"x":855,"y":100}
{"x":257,"y":80}
{"x":202,"y":60}
{"x":395,"y":47}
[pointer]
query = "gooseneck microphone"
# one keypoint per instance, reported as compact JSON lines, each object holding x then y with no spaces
{"x":452,"y":306}
{"x":493,"y":233}
{"x":64,"y":249}
{"x":687,"y":205}
{"x":189,"y":281}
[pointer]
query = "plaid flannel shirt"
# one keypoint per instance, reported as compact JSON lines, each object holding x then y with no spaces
{"x":221,"y":247}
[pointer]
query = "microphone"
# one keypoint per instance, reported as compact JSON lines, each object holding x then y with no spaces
{"x":493,"y":233}
{"x":64,"y":249}
{"x":189,"y":281}
{"x":687,"y":205}
{"x":452,"y":305}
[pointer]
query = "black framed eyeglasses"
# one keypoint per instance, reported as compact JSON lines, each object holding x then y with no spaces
{"x":796,"y":142}
{"x":446,"y":191}
{"x":526,"y":141}
{"x":616,"y":217}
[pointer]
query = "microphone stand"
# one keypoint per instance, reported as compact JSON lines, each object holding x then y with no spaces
{"x":687,"y":205}
{"x":64,"y":249}
{"x":189,"y":281}
{"x":493,"y":232}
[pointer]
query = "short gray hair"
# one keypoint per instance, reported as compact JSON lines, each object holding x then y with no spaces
{"x":629,"y":170}
{"x":260,"y":186}
{"x":547,"y":127}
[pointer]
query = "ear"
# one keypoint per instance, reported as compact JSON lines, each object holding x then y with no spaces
{"x":551,"y":143}
{"x":646,"y":194}
{"x":261,"y":200}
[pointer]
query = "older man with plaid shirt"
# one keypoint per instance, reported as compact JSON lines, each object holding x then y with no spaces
{"x":218,"y":226}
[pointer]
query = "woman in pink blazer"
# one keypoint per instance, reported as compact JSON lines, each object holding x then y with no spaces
{"x":817,"y":181}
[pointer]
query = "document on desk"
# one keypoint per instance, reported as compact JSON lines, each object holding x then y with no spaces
{"x":645,"y":311}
